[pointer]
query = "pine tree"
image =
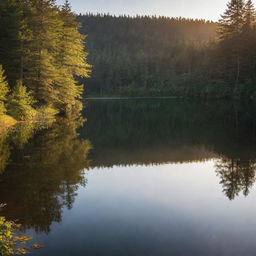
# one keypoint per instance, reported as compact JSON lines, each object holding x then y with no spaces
{"x":40,"y":69}
{"x":71,"y":58}
{"x":248,"y":41}
{"x":3,"y":91}
{"x":231,"y":22}
{"x":230,"y":30}
{"x":20,"y":103}
{"x":54,"y":54}
{"x":249,"y":15}
{"x":12,"y":25}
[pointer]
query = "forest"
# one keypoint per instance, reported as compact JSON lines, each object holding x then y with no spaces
{"x":161,"y":56}
{"x":44,"y":64}
{"x":41,"y":54}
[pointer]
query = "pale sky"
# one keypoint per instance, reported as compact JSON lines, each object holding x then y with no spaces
{"x":206,"y":9}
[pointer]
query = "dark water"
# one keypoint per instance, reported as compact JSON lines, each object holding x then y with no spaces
{"x":141,"y":177}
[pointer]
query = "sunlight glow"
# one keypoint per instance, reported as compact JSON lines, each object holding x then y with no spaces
{"x":204,"y":9}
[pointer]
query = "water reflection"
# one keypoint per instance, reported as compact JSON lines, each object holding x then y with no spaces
{"x":175,"y":131}
{"x":43,"y":166}
{"x":42,"y":172}
{"x":4,"y":151}
{"x":236,"y":176}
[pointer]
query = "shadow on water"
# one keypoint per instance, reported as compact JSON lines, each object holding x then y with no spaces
{"x":129,"y":132}
{"x":40,"y":174}
{"x":42,"y":167}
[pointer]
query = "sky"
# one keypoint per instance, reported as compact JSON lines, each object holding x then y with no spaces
{"x":206,"y":9}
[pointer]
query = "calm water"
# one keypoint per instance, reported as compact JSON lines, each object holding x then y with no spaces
{"x":141,"y":177}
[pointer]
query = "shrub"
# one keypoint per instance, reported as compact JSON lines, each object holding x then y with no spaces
{"x":20,"y":103}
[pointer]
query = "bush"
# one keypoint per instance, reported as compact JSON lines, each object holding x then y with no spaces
{"x":9,"y":243}
{"x":46,"y":112}
{"x":20,"y":103}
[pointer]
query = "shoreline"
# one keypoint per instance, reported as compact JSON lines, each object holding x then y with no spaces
{"x":130,"y":98}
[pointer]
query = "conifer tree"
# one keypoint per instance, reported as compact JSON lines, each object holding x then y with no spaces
{"x":248,"y":41}
{"x":231,"y":22}
{"x":230,"y":30}
{"x":11,"y":26}
{"x":3,"y":91}
{"x":40,"y":70}
{"x":20,"y":103}
{"x":44,"y":44}
{"x":249,"y":15}
{"x":71,"y":58}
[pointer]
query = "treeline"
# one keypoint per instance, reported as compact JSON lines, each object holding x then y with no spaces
{"x":41,"y":53}
{"x":167,"y":56}
{"x":142,"y":55}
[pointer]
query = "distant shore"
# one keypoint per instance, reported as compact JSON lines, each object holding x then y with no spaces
{"x":129,"y":98}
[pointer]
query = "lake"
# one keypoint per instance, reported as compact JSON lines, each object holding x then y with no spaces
{"x":146,"y":177}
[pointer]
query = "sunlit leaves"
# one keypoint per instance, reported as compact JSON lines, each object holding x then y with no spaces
{"x":9,"y":243}
{"x":3,"y":91}
{"x":47,"y":54}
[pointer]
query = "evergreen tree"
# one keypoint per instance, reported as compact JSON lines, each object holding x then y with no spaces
{"x":249,"y":15}
{"x":3,"y":91}
{"x":11,"y":25}
{"x":20,"y":103}
{"x":40,"y":70}
{"x":231,"y":22}
{"x":248,"y":43}
{"x":43,"y":42}
{"x":71,"y":58}
{"x":230,"y":29}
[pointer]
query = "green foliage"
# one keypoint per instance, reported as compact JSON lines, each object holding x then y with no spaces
{"x":6,"y":237}
{"x":3,"y":91}
{"x":143,"y":55}
{"x":10,"y":244}
{"x":231,"y":22}
{"x":46,"y":112}
{"x":20,"y":103}
{"x":237,"y":42}
{"x":159,"y":56}
{"x":41,"y":46}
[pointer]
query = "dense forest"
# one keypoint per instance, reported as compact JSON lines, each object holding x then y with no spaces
{"x":41,"y":53}
{"x":42,"y":56}
{"x":142,"y":55}
{"x":156,"y":56}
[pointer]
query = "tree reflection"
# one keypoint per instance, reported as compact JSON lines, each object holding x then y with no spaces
{"x":236,"y":176}
{"x":161,"y":131}
{"x":43,"y":166}
{"x":44,"y":173}
{"x":4,"y":151}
